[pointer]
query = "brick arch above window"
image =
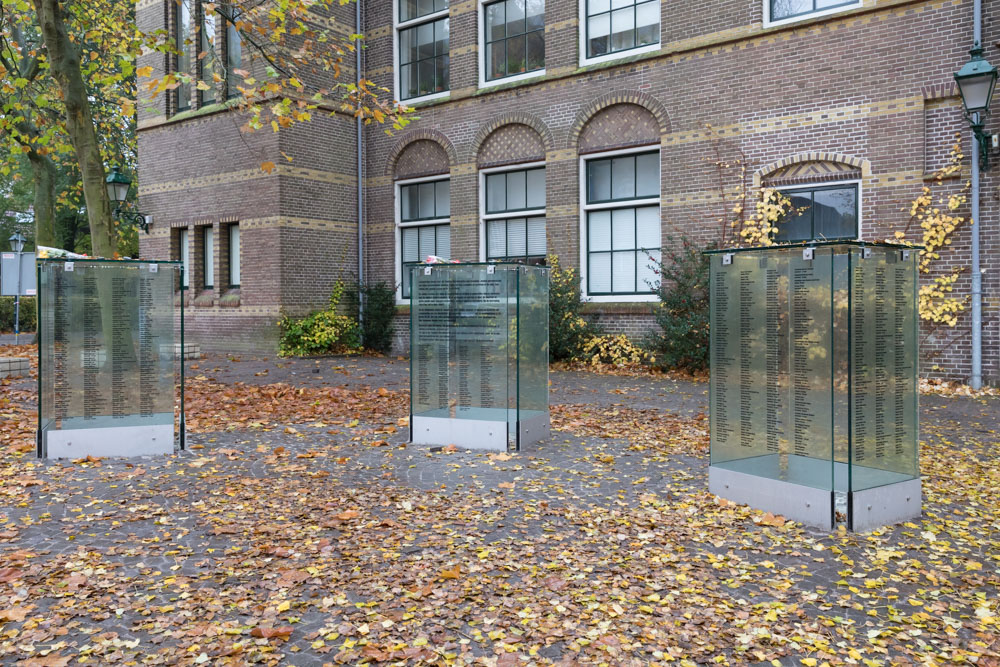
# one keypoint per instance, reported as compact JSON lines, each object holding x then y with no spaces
{"x":421,"y":153}
{"x":655,"y":121}
{"x":813,"y":167}
{"x":511,"y":144}
{"x":521,"y":118}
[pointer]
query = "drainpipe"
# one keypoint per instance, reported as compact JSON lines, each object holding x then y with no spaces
{"x":358,"y":140}
{"x":976,"y":381}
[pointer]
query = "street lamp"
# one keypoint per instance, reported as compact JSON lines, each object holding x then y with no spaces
{"x":976,"y":82}
{"x":17,"y":242}
{"x":17,"y":245}
{"x":118,"y":185}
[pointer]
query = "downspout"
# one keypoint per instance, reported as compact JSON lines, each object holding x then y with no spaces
{"x":976,"y":381}
{"x":358,"y":142}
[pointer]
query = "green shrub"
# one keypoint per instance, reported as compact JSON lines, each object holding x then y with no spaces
{"x":682,"y":313}
{"x":380,"y":309}
{"x":322,"y":332}
{"x":27,"y":313}
{"x":568,"y":330}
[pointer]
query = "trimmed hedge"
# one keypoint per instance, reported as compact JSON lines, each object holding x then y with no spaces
{"x":28,"y":319}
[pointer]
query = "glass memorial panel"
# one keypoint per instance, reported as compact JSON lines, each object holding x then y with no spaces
{"x":479,"y":353}
{"x":109,"y":360}
{"x":883,"y":381}
{"x":770,"y":388}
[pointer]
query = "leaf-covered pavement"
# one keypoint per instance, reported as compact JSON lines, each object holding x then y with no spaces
{"x":298,"y":529}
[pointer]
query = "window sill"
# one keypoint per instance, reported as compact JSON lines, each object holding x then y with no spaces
{"x":231,"y":299}
{"x":417,"y":102}
{"x":604,"y":299}
{"x":620,"y":56}
{"x":513,"y":81}
{"x":206,"y":299}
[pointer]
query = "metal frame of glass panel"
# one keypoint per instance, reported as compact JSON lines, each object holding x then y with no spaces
{"x":100,"y":433}
{"x":525,"y":36}
{"x":813,"y":391}
{"x":479,"y":355}
{"x":612,"y":8}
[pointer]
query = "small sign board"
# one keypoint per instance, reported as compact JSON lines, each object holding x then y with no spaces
{"x":9,"y":271}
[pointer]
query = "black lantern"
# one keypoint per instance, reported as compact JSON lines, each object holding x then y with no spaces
{"x":976,"y":82}
{"x":118,"y":185}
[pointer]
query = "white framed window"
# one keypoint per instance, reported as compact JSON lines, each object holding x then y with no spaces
{"x":234,"y":255}
{"x":423,"y":212}
{"x":821,"y":212}
{"x":512,"y":214}
{"x":620,"y":227}
{"x":421,"y":49}
{"x":183,"y":240}
{"x":206,"y":28}
{"x":511,"y":40}
{"x":208,"y":256}
{"x":182,"y":40}
{"x":612,"y":29}
{"x":778,"y":12}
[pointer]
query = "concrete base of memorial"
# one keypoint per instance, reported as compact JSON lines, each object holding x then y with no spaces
{"x":14,"y":367}
{"x":805,"y":504}
{"x":117,"y":441}
{"x":804,"y":489}
{"x":479,"y":428}
{"x":884,"y":505}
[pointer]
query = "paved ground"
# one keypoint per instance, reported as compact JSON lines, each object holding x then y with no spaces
{"x":324,"y":538}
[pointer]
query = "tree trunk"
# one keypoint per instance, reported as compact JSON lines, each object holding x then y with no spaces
{"x":43,"y":172}
{"x":64,"y":63}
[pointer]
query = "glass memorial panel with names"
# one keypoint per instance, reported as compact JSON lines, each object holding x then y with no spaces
{"x":479,"y":354}
{"x":108,"y":357}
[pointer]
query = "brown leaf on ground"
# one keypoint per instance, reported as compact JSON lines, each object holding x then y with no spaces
{"x":283,"y":632}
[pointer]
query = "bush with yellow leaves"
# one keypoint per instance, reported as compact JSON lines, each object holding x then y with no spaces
{"x":568,"y":330}
{"x":938,"y":220}
{"x":614,"y":350}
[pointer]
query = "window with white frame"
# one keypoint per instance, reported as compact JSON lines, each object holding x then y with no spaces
{"x":819,"y":213}
{"x":514,"y":215}
{"x":615,"y":26}
{"x":182,"y":41}
{"x":422,"y":34}
{"x":185,"y":256}
{"x":780,"y":10}
{"x":424,"y":209}
{"x":622,"y":223}
{"x":206,"y":29}
{"x":514,"y":38}
{"x":234,"y":255}
{"x":208,"y":257}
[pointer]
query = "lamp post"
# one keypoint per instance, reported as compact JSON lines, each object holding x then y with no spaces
{"x":118,"y":185}
{"x":17,"y":245}
{"x":976,"y":82}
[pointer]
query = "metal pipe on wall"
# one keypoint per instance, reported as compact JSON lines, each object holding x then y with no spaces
{"x":358,"y":141}
{"x":976,"y":381}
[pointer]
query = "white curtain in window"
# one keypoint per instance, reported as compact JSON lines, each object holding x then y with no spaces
{"x":209,"y":257}
{"x":234,"y":255}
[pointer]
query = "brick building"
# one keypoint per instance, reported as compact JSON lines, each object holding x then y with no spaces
{"x":588,"y":129}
